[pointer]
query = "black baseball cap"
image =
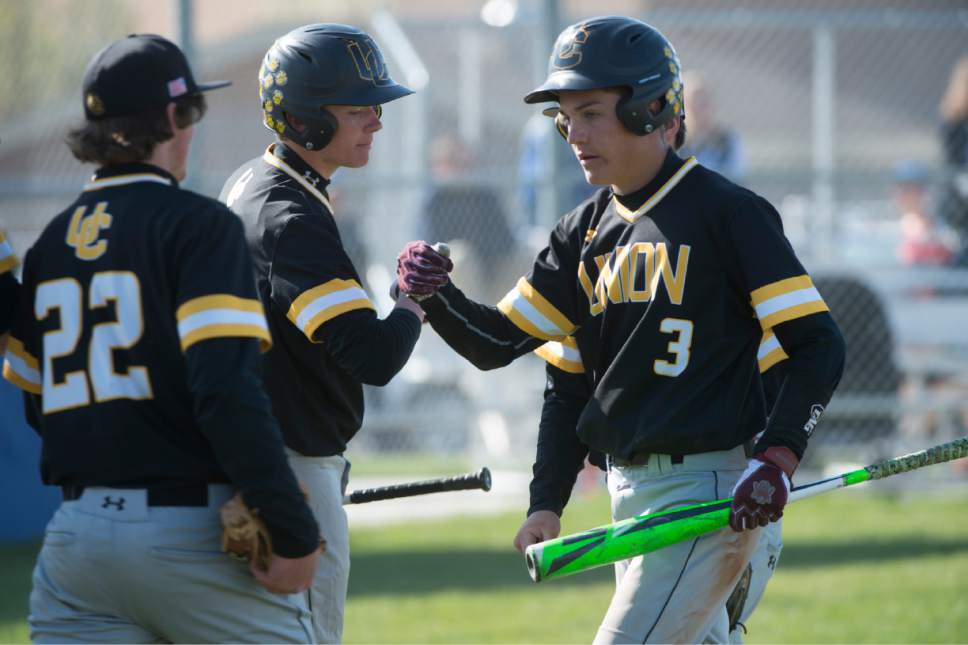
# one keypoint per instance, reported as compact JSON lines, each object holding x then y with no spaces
{"x":138,"y":73}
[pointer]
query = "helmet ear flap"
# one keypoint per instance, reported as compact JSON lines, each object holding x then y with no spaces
{"x":634,"y":115}
{"x":318,"y":133}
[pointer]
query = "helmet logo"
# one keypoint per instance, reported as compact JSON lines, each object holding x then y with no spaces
{"x":369,"y":61}
{"x":94,"y":104}
{"x":568,"y":53}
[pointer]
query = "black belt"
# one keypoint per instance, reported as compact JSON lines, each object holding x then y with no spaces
{"x":194,"y":495}
{"x":640,"y":459}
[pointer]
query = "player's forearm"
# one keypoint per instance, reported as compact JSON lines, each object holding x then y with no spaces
{"x":371,"y":350}
{"x":560,"y":455}
{"x":479,"y":333}
{"x":233,"y":412}
{"x":554,"y":473}
{"x":817,"y":350}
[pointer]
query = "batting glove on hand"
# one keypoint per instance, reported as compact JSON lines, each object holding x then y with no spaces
{"x":421,"y":270}
{"x":763,"y":489}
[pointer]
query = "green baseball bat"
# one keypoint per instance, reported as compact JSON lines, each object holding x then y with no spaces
{"x":603,"y":545}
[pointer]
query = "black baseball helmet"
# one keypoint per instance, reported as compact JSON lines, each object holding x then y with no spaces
{"x":317,"y":65}
{"x":614,"y":51}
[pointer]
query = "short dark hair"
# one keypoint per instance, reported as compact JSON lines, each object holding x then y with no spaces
{"x":130,"y":139}
{"x":681,"y":134}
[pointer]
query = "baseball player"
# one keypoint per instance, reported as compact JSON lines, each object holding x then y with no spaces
{"x":561,"y":454}
{"x":137,"y":342}
{"x":667,"y":279}
{"x":321,"y":88}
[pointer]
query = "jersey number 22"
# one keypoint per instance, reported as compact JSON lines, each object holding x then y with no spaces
{"x":66,"y":296}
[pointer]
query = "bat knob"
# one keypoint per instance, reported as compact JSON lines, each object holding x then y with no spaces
{"x":532,"y":568}
{"x":485,"y":477}
{"x":442,"y":248}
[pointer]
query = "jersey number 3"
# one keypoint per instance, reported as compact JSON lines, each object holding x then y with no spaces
{"x":678,"y":346}
{"x":66,"y":297}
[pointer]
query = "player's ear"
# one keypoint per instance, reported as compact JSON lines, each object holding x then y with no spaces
{"x":170,"y":117}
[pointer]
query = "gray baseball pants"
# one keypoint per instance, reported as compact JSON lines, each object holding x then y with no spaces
{"x":113,"y":569}
{"x":676,"y":594}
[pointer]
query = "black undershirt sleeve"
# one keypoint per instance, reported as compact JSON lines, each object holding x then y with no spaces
{"x":233,"y":413}
{"x":371,"y":350}
{"x":560,"y":453}
{"x":816,"y":351}
{"x":9,"y":297}
{"x":479,"y":333}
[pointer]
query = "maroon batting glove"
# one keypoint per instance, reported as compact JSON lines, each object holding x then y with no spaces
{"x":421,"y":270}
{"x":763,"y":489}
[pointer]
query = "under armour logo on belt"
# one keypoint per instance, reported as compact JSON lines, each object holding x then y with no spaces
{"x":311,"y":178}
{"x":108,"y":502}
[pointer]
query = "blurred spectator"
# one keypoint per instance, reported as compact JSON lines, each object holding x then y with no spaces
{"x":534,"y":169}
{"x":468,"y":215}
{"x":922,"y":240}
{"x":715,"y":145}
{"x":954,"y":142}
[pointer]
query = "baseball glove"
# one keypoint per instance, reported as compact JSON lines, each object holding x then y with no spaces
{"x":736,"y":602}
{"x":244,"y":534}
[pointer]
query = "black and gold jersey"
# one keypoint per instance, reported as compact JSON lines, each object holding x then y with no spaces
{"x":139,"y":330}
{"x":667,"y":294}
{"x":309,"y":286}
{"x":560,"y":454}
{"x":566,"y":356}
{"x":9,"y":287}
{"x":116,"y":290}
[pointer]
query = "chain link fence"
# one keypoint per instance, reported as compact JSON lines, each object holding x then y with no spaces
{"x":830,"y":110}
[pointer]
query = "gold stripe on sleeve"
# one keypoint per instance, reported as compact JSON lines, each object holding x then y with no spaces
{"x":791,"y":313}
{"x":332,"y":312}
{"x":562,"y":363}
{"x":779,"y":288}
{"x":16,"y":379}
{"x":217,"y":301}
{"x":16,"y":346}
{"x":310,"y":295}
{"x":228,"y":330}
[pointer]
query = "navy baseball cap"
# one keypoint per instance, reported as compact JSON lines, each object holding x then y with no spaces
{"x":138,"y":73}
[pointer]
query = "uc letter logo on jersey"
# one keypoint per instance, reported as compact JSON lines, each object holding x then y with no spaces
{"x":369,"y":61}
{"x":569,"y":52}
{"x":83,"y":231}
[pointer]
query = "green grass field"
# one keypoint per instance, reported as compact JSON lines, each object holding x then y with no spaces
{"x":857,"y":567}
